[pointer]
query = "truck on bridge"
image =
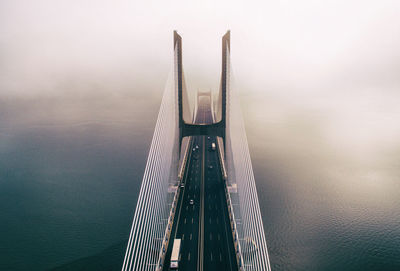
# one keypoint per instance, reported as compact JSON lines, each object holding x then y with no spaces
{"x":175,"y":254}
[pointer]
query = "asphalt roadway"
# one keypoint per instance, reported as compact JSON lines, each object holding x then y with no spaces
{"x":203,"y":224}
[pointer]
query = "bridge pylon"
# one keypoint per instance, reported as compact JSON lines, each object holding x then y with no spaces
{"x":186,"y":128}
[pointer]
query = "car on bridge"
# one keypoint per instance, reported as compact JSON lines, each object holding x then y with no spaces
{"x":213,"y":146}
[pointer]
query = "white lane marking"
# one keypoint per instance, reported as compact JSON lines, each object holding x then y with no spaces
{"x":192,"y":220}
{"x":183,"y":237}
{"x":220,"y":257}
{"x":189,"y":257}
{"x":211,"y":256}
{"x":190,"y":237}
{"x":184,"y":221}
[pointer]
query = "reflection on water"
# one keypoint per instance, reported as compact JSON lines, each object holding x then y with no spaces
{"x":327,"y":178}
{"x":328,"y":183}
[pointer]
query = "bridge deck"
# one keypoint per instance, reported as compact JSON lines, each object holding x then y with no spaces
{"x":203,"y":226}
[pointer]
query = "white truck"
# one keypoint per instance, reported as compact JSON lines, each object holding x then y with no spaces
{"x":175,"y":254}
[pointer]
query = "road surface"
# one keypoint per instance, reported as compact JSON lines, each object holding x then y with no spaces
{"x":202,"y":220}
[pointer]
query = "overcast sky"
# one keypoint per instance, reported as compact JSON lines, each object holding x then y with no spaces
{"x":282,"y":47}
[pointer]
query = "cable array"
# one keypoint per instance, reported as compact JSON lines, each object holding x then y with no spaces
{"x":155,"y":196}
{"x":245,"y":205}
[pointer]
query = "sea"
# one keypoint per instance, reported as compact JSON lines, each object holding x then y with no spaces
{"x":327,"y":176}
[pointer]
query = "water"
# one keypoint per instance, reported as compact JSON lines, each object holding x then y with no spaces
{"x":330,"y":197}
{"x":71,"y":167}
{"x":70,"y":172}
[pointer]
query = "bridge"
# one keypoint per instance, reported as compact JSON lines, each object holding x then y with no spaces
{"x":198,"y":185}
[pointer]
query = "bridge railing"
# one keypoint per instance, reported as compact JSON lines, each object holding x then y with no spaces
{"x":220,"y":144}
{"x":182,"y":165}
{"x":232,"y":220}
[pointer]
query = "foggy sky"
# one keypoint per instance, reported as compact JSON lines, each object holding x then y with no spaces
{"x":339,"y":59}
{"x":283,"y":47}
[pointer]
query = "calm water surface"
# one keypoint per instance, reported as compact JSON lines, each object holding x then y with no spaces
{"x":71,"y":168}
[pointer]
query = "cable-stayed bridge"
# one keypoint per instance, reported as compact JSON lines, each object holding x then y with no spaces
{"x":198,"y":186}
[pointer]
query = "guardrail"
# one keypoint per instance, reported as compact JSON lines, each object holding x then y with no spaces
{"x":221,"y":157}
{"x":172,"y":212}
{"x":182,"y":167}
{"x":235,"y":236}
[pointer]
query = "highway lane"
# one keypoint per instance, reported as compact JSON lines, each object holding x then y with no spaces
{"x":219,"y":252}
{"x":218,"y":242}
{"x":204,"y":225}
{"x":186,"y":221}
{"x":189,"y":224}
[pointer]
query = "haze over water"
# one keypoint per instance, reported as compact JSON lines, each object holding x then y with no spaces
{"x":80,"y":88}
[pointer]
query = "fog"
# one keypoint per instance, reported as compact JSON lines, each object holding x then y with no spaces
{"x":82,"y":81}
{"x":339,"y":56}
{"x":296,"y":48}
